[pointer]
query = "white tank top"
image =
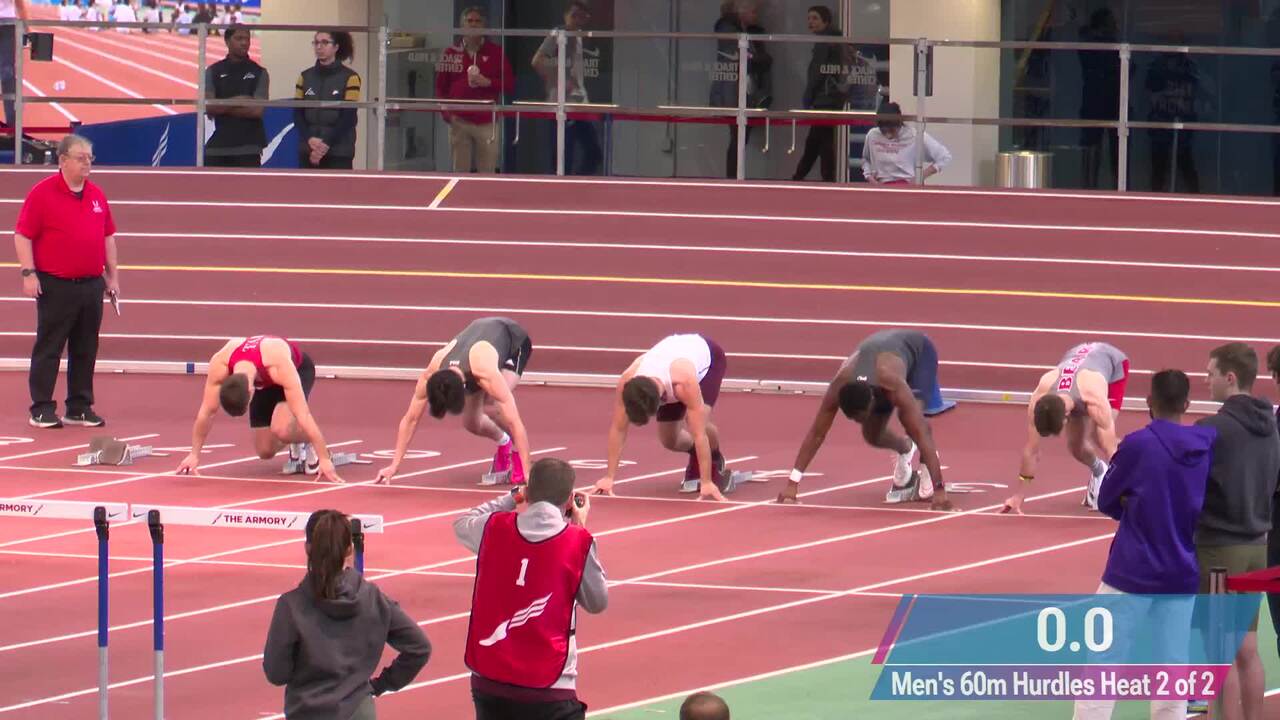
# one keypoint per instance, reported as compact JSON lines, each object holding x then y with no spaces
{"x":657,"y":362}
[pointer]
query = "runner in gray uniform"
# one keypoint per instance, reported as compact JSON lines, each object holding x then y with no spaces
{"x":891,"y":370}
{"x":475,"y":376}
{"x":1084,"y":394}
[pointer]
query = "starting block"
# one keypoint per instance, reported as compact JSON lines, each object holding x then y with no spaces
{"x":496,"y":478}
{"x":106,"y":450}
{"x":736,"y":478}
{"x":299,"y":466}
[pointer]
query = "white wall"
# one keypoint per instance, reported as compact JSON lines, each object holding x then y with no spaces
{"x":965,"y":80}
{"x":287,"y":53}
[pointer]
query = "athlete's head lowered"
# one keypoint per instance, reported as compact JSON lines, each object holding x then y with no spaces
{"x":1050,"y":415}
{"x":859,"y":397}
{"x":640,"y":399}
{"x":235,"y":394}
{"x":446,"y":393}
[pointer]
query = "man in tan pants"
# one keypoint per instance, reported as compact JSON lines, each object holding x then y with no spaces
{"x":474,"y":70}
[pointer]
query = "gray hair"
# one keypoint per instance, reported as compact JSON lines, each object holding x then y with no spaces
{"x":70,"y":141}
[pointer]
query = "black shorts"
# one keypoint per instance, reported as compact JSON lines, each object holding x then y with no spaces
{"x":521,"y":360}
{"x":709,"y":385}
{"x":264,"y":401}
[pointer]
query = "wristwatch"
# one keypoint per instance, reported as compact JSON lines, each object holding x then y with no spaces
{"x":28,"y":271}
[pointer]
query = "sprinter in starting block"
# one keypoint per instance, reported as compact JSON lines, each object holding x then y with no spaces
{"x":892,"y":370}
{"x":270,"y":378}
{"x":475,"y":376}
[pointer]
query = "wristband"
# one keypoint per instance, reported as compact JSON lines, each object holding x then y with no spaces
{"x":796,"y":475}
{"x":1026,"y":478}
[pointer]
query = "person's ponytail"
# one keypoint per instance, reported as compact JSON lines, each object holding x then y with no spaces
{"x":328,"y":542}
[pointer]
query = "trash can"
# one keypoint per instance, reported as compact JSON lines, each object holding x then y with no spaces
{"x":1024,"y":169}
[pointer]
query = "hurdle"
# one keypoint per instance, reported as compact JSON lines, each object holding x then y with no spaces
{"x":101,"y":515}
{"x":158,"y":515}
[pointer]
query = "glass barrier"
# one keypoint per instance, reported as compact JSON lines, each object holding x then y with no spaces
{"x":805,"y":103}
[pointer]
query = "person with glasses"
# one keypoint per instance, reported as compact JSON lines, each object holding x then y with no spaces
{"x":65,"y":244}
{"x":327,"y":136}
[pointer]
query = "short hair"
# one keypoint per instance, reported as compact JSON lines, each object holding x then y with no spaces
{"x":640,"y":399}
{"x":1273,"y":360}
{"x":577,"y":5}
{"x":1238,"y":358}
{"x":70,"y":141}
{"x":477,"y":9}
{"x":1169,"y":392}
{"x":856,"y":397}
{"x":551,"y":480}
{"x":1050,"y":415}
{"x":446,"y":393}
{"x":234,"y":394}
{"x":823,"y":12}
{"x":704,"y":706}
{"x":233,"y":29}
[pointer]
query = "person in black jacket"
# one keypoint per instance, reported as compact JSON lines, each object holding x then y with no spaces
{"x":327,"y":136}
{"x":1237,"y":515}
{"x":327,"y":634}
{"x":825,"y":90}
{"x":740,"y":16}
{"x":239,"y":135}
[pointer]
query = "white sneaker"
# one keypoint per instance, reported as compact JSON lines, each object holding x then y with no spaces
{"x":690,"y":486}
{"x":312,"y":459}
{"x":904,"y":494}
{"x":1093,"y":488}
{"x":924,"y":484}
{"x":902,"y":466}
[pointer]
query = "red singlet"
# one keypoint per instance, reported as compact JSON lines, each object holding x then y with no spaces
{"x":251,"y":350}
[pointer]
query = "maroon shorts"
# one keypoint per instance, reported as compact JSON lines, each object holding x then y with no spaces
{"x":709,"y":384}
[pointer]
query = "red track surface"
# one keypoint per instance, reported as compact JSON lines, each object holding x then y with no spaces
{"x":110,"y":64}
{"x":743,"y":559}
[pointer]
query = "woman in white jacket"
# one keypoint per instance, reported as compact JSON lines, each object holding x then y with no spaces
{"x":889,"y":151}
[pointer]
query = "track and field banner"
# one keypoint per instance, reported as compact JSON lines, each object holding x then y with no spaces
{"x":169,"y":140}
{"x":1061,"y":647}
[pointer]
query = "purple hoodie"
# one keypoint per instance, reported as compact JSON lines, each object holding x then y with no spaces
{"x":1155,"y":487}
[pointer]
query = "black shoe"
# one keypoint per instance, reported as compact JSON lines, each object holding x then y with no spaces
{"x":85,"y":419}
{"x":46,"y":419}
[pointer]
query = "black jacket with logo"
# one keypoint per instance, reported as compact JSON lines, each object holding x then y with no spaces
{"x":335,"y":126}
{"x":236,"y":78}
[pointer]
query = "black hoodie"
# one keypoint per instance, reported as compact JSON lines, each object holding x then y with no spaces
{"x":325,"y":651}
{"x":1242,"y":480}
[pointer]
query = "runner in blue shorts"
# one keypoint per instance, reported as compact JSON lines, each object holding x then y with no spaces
{"x":891,"y":370}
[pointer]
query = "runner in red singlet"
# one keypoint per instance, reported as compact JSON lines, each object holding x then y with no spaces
{"x":270,"y":378}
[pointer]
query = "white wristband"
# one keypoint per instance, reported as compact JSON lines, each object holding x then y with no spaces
{"x":796,"y":475}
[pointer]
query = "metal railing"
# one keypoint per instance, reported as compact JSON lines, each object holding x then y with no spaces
{"x":563,"y":109}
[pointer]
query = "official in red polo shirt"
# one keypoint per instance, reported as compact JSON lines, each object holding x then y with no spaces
{"x":65,"y":242}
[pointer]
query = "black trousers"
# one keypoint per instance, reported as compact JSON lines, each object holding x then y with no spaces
{"x":820,"y":145}
{"x":233,"y":160}
{"x":68,"y":314}
{"x":328,"y":162}
{"x":489,"y":707}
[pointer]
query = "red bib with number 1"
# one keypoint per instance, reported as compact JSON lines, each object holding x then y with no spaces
{"x":523,"y":603}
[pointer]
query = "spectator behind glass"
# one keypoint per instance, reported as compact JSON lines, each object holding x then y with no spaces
{"x":740,"y":16}
{"x":1236,"y":516}
{"x":474,"y":69}
{"x":327,"y":136}
{"x":889,"y":151}
{"x":825,"y":90}
{"x":582,"y":153}
{"x":327,"y":634}
{"x":239,"y":135}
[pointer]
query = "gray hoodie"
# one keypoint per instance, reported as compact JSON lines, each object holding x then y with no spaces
{"x":325,"y":651}
{"x":1242,"y":480}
